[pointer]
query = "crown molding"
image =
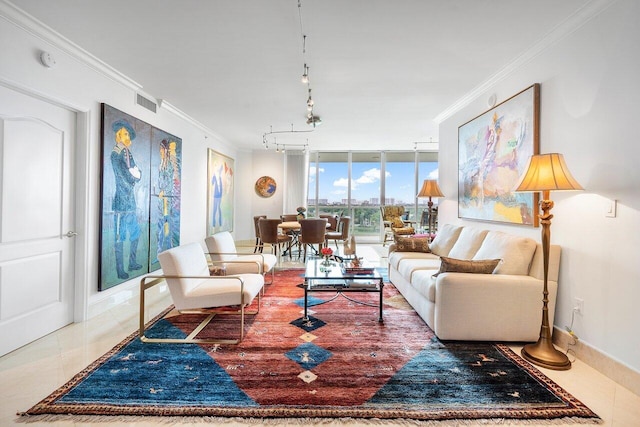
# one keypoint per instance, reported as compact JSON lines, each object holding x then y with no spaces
{"x":37,"y":28}
{"x":562,"y":30}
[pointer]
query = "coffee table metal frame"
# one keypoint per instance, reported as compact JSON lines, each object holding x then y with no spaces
{"x":320,"y":278}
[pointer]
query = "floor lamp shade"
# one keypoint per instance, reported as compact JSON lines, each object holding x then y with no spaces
{"x":430,"y":189}
{"x":546,"y":172}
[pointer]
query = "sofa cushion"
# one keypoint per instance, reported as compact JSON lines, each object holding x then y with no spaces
{"x":468,"y":243}
{"x":453,"y":265}
{"x":445,"y":239}
{"x":425,"y":284}
{"x":395,"y":258}
{"x":516,"y":252}
{"x":408,"y":266}
{"x":412,"y":244}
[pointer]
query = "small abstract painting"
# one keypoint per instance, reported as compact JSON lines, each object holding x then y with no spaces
{"x":493,"y":151}
{"x":265,"y":186}
{"x":220,"y":193}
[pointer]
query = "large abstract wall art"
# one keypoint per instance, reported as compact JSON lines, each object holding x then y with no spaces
{"x":493,"y":151}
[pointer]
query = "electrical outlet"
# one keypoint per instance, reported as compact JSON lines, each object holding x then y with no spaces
{"x":579,"y":305}
{"x":611,"y":209}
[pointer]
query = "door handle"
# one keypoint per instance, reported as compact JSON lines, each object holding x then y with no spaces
{"x":71,"y":234}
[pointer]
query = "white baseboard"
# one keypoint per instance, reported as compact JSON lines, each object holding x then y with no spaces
{"x":602,"y":362}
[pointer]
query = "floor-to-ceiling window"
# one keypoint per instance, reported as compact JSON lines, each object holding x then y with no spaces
{"x":400,"y":181}
{"x":358,"y":183}
{"x":366,"y":179}
{"x":329,"y":179}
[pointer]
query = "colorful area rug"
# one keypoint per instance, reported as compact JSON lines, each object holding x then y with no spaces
{"x":341,"y":363}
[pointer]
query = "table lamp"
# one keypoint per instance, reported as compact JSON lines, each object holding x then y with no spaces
{"x":430,"y":189}
{"x":546,"y":172}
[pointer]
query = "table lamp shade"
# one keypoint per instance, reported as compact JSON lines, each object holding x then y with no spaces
{"x":430,"y":189}
{"x":546,"y":172}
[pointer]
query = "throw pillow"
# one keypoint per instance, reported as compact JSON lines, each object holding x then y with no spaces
{"x":453,"y":265}
{"x":445,"y":239}
{"x":412,"y":244}
{"x":396,"y":222}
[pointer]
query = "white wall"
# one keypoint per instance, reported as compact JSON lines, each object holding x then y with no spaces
{"x":271,"y":164}
{"x":590,"y":92}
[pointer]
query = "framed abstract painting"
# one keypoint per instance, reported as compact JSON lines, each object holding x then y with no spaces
{"x":219,"y":192}
{"x":493,"y":151}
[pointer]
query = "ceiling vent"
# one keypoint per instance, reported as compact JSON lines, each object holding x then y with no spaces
{"x":146,"y":103}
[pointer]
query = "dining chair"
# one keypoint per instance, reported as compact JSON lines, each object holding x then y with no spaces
{"x":342,"y":232}
{"x":259,"y":246}
{"x":289,"y":217}
{"x":223,"y":253}
{"x":332,"y":220}
{"x":270,"y":234}
{"x":194,"y":291}
{"x":312,"y":231}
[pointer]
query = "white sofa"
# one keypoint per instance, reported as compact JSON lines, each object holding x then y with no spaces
{"x":503,"y":306}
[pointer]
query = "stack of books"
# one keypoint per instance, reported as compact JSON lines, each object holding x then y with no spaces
{"x":349,"y":267}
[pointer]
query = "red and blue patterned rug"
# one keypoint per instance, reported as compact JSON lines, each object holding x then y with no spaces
{"x":341,"y":363}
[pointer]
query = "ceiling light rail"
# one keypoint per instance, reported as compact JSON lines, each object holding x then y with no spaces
{"x":280,"y":146}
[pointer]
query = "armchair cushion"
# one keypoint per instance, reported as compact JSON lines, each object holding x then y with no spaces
{"x":396,"y":222}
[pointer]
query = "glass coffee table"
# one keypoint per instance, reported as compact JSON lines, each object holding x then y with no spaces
{"x":342,"y":279}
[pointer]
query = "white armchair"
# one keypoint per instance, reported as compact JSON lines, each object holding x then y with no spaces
{"x":223,"y":252}
{"x":194,"y":290}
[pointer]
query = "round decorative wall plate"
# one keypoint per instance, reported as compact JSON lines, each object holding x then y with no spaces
{"x":265,"y":186}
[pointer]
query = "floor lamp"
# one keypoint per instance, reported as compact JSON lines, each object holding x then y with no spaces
{"x":430,"y":189}
{"x":546,"y":172}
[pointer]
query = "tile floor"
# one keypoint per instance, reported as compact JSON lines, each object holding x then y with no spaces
{"x":31,"y":373}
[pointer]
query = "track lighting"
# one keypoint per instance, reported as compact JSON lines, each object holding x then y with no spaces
{"x":284,"y":147}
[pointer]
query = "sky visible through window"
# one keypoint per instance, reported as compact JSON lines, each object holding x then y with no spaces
{"x":365,"y":184}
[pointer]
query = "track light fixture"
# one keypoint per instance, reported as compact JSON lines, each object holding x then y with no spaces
{"x":312,"y":119}
{"x":283,"y":147}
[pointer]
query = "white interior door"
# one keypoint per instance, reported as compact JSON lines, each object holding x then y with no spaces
{"x":36,"y":218}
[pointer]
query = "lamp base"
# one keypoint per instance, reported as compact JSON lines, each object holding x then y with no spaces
{"x":544,"y":354}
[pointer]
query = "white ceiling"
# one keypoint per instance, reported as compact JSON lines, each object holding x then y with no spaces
{"x":381,"y":70}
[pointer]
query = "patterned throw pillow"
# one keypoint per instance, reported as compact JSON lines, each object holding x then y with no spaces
{"x":396,"y":222}
{"x":412,"y":244}
{"x":452,"y":265}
